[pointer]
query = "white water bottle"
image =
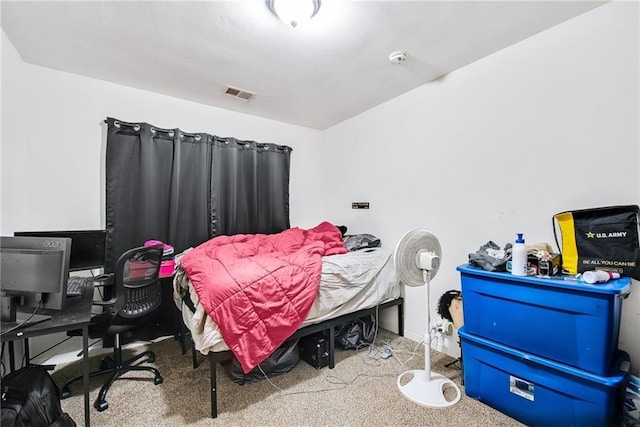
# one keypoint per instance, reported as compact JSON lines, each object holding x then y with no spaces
{"x":519,"y":257}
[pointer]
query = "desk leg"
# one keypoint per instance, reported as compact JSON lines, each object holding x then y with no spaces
{"x":25,"y":350}
{"x":12,"y":356}
{"x":85,"y":373}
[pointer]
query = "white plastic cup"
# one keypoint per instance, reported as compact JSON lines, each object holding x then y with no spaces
{"x":599,"y":276}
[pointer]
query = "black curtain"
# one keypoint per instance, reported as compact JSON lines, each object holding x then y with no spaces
{"x":182,"y":188}
{"x":249,"y":187}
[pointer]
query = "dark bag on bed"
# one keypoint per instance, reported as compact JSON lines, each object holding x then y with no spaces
{"x":30,"y":397}
{"x":599,"y":239}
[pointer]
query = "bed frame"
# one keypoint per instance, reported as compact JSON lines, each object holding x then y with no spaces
{"x":328,"y":325}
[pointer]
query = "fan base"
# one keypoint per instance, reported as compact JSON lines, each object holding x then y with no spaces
{"x":428,"y":391}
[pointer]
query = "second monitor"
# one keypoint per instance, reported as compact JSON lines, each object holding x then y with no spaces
{"x":88,"y":247}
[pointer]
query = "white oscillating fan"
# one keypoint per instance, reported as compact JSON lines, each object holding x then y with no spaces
{"x":417,"y":259}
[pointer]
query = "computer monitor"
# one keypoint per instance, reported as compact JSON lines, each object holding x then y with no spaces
{"x":35,"y":268}
{"x":88,"y":247}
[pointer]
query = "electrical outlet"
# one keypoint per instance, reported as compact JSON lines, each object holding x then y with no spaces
{"x":443,"y":328}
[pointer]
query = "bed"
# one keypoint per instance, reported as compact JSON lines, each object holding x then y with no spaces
{"x":336,"y":286}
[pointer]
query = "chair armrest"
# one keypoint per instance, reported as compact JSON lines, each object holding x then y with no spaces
{"x":103,"y":280}
{"x":105,"y":303}
{"x":106,"y":282}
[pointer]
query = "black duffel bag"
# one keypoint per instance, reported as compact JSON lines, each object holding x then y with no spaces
{"x":30,"y":397}
{"x":281,"y":361}
{"x":356,"y":334}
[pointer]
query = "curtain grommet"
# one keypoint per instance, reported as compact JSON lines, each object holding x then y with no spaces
{"x":118,"y":124}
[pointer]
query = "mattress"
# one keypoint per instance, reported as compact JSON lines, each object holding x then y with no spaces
{"x":349,"y":282}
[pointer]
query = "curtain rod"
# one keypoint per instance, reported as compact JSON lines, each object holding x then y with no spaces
{"x":136,"y":127}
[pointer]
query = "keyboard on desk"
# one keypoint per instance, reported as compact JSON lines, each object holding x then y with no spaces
{"x":76,"y":286}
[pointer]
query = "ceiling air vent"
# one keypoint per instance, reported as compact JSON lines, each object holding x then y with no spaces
{"x":239,"y":93}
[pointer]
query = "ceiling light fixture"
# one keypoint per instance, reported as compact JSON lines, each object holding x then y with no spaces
{"x":294,"y":12}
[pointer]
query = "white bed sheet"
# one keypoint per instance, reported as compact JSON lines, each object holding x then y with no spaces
{"x":348,"y":283}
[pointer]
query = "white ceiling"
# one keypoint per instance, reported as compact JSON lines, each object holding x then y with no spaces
{"x":315,"y":76}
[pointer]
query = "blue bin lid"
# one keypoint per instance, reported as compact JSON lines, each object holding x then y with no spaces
{"x":617,"y":286}
{"x":619,"y":370}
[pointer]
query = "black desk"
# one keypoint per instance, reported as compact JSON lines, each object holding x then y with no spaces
{"x":75,"y":316}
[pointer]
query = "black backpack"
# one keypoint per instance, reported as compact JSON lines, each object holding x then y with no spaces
{"x":30,"y":397}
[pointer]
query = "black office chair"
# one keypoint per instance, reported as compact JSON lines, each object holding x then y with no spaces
{"x":136,"y":284}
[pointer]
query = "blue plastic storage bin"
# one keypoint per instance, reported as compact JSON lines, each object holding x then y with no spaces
{"x":568,"y":321}
{"x":540,"y":392}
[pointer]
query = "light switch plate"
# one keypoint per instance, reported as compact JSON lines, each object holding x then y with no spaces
{"x":360,"y":205}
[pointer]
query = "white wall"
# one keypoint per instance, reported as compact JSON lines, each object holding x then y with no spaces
{"x":493,"y":149}
{"x":496,"y":148}
{"x":53,"y":145}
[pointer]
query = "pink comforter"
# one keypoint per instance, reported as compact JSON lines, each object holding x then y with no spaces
{"x":259,"y":288}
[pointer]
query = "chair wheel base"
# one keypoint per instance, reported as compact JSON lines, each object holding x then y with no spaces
{"x":101,"y":406}
{"x":151,"y":358}
{"x":158,"y":380}
{"x":66,"y":392}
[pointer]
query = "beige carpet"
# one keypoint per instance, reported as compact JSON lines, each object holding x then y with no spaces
{"x":360,"y":391}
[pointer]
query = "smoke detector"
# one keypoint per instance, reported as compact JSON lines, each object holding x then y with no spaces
{"x":397,"y":57}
